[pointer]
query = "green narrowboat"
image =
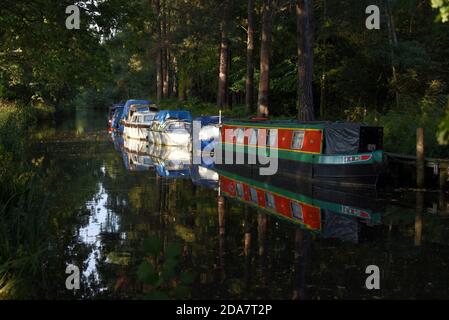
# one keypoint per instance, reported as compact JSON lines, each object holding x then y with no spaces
{"x":349,"y":154}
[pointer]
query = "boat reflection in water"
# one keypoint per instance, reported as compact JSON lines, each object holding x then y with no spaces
{"x":331,"y":213}
{"x":171,"y":161}
{"x":312,"y":210}
{"x":334,"y":213}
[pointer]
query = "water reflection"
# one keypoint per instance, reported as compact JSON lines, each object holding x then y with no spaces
{"x":117,"y":204}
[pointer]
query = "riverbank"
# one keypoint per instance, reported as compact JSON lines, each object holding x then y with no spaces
{"x":23,"y":220}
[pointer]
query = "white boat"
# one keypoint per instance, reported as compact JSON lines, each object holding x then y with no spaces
{"x":138,"y":121}
{"x":171,"y":128}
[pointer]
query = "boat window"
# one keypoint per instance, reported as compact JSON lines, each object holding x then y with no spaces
{"x":176,"y":125}
{"x":149,"y":118}
{"x":253,"y":194}
{"x":239,"y":188}
{"x":253,"y":137}
{"x":269,"y":199}
{"x":297,"y":211}
{"x":240,"y":134}
{"x":298,"y":140}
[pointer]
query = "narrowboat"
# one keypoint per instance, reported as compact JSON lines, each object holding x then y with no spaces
{"x":138,"y":124}
{"x":347,"y":154}
{"x":171,"y":128}
{"x":318,"y":215}
{"x":132,"y":106}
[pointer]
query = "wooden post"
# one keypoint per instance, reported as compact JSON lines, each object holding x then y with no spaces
{"x":420,"y":160}
{"x":221,"y":235}
{"x":443,"y":175}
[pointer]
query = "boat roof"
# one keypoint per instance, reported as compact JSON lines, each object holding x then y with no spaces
{"x":164,"y":115}
{"x":292,"y":124}
{"x":208,"y":120}
{"x":135,"y":101}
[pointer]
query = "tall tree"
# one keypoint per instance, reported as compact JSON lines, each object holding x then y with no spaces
{"x":265,"y":52}
{"x":159,"y":56}
{"x":223,"y":73}
{"x":393,"y":40}
{"x":250,"y":59}
{"x":304,"y":23}
{"x":165,"y":51}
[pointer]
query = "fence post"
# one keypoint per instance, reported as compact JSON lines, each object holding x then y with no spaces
{"x":420,"y":165}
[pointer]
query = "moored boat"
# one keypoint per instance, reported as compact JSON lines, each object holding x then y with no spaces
{"x":138,"y":125}
{"x":132,"y":106}
{"x":111,"y":113}
{"x":171,"y":128}
{"x":348,"y":154}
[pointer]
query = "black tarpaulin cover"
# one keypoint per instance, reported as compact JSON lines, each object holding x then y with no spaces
{"x":342,"y":138}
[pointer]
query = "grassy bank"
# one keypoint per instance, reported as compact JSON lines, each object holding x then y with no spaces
{"x":23,"y":219}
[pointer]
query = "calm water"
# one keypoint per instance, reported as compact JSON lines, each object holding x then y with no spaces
{"x":135,"y":233}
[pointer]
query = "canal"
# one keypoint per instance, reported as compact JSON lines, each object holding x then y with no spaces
{"x":134,"y":233}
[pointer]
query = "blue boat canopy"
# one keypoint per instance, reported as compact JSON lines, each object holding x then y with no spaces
{"x":129,"y":103}
{"x":208,"y":120}
{"x":164,"y":115}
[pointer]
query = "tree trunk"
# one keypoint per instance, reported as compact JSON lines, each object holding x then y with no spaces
{"x":250,"y":60}
{"x":165,"y":53}
{"x":393,"y":40}
{"x":304,"y":21}
{"x":265,"y":52}
{"x":159,"y":76}
{"x":323,"y":79}
{"x":223,"y":73}
{"x":174,"y":76}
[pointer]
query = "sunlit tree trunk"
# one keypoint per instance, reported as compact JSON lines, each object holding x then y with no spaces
{"x":250,"y":59}
{"x":304,"y":22}
{"x":265,"y":52}
{"x":223,"y":73}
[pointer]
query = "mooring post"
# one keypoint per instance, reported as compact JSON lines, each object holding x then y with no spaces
{"x":420,"y":160}
{"x":443,"y":175}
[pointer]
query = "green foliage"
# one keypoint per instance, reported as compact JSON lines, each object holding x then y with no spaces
{"x":400,"y":126}
{"x":443,"y":7}
{"x":161,"y":272}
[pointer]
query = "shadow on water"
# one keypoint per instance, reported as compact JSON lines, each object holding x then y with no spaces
{"x":140,"y":223}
